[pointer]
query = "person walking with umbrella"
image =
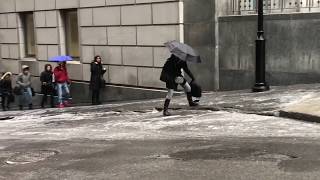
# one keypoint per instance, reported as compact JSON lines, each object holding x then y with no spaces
{"x":172,"y":72}
{"x":96,"y":81}
{"x":47,"y":87}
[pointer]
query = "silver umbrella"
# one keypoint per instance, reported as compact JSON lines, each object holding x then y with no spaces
{"x":183,"y":51}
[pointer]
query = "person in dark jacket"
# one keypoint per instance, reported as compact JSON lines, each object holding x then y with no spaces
{"x":47,"y":87}
{"x":96,"y":80}
{"x":6,"y":90}
{"x":172,"y":75}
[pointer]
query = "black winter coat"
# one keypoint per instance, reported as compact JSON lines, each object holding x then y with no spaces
{"x":96,"y":80}
{"x":5,"y":87}
{"x":172,"y":69}
{"x":46,"y":79}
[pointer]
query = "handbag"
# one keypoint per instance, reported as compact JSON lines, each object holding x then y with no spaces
{"x":196,"y":90}
{"x":33,"y":92}
{"x":11,"y":98}
{"x":17,"y":90}
{"x":102,"y":82}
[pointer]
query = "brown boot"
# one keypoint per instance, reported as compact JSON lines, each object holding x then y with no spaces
{"x":166,"y":107}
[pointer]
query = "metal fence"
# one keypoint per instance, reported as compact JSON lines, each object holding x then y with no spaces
{"x":240,"y":7}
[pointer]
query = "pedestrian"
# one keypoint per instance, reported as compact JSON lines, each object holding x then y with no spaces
{"x":97,"y":81}
{"x":24,"y":83}
{"x":47,"y":87}
{"x":172,"y":75}
{"x":6,"y":91}
{"x":61,"y":78}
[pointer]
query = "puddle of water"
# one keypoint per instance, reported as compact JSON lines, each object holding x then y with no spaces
{"x":237,"y":153}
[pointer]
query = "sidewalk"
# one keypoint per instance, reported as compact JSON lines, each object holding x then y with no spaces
{"x":307,"y":110}
{"x":297,"y":102}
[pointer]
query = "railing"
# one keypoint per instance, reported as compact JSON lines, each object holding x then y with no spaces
{"x":240,"y":7}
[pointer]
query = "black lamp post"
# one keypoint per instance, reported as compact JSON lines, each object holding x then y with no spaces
{"x":260,"y":84}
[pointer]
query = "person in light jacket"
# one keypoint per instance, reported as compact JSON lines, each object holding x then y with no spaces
{"x":24,"y":82}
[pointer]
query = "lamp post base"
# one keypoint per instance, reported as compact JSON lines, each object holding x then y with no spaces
{"x":260,"y":87}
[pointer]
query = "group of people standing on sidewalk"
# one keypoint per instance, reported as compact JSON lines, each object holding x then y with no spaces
{"x":55,"y":82}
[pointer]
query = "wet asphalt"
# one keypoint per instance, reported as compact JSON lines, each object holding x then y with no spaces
{"x":219,"y":158}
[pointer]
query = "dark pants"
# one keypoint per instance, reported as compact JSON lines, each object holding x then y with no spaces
{"x":5,"y":102}
{"x":47,"y":91}
{"x":96,"y":96}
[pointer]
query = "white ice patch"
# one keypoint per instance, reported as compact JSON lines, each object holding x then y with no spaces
{"x":85,"y":122}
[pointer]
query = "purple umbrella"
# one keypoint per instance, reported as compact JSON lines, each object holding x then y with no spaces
{"x":60,"y":58}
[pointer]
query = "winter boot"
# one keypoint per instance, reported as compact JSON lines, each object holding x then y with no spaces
{"x":52,"y":102}
{"x":43,"y":101}
{"x":67,"y":103}
{"x":191,"y":103}
{"x":166,"y":107}
{"x":61,"y":105}
{"x":20,"y":107}
{"x":30,"y":106}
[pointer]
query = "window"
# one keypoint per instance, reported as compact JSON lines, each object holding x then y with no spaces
{"x":29,"y":37}
{"x":71,"y":33}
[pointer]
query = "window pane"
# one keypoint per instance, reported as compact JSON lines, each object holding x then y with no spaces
{"x":72,"y":36}
{"x":29,"y":34}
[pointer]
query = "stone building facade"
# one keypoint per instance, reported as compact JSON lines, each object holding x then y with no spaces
{"x":128,"y":34}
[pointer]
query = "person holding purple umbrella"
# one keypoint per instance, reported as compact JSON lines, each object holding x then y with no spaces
{"x":61,"y":78}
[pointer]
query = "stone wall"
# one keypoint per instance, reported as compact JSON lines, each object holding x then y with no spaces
{"x":292,"y":50}
{"x":199,"y":32}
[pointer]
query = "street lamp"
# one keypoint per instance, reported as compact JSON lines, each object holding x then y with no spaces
{"x":260,"y":84}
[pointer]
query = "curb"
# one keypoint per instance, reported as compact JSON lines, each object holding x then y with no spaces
{"x":186,"y":107}
{"x":300,"y":116}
